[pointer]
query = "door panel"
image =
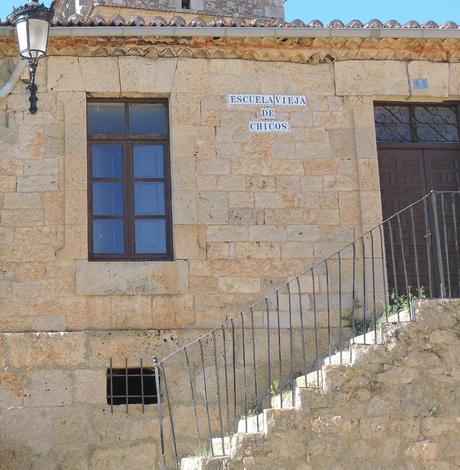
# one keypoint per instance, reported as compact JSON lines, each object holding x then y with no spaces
{"x":442,"y":169}
{"x":402,"y":178}
{"x":407,"y":173}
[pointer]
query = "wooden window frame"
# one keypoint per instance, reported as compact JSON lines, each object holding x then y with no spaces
{"x":127,"y":141}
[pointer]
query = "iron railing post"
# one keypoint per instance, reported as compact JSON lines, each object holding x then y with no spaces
{"x":156,"y":370}
{"x":438,"y":245}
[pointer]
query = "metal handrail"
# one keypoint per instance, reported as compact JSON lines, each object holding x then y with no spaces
{"x":386,"y":268}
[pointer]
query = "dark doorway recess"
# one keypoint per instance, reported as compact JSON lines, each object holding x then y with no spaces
{"x":419,"y":151}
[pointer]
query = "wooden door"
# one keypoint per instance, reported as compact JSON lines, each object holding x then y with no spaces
{"x":407,"y":173}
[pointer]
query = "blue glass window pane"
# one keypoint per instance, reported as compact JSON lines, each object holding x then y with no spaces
{"x":149,"y":198}
{"x":107,"y":160}
{"x":108,"y":198}
{"x":148,"y":161}
{"x":108,"y":236}
{"x":150,"y":236}
{"x":106,"y":118}
{"x":147,"y":118}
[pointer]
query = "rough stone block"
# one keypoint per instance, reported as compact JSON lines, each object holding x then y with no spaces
{"x":64,"y":74}
{"x":21,"y":201}
{"x":8,"y":183}
{"x":257,"y":250}
{"x":184,"y":174}
{"x":46,"y":349}
{"x":131,"y":312}
{"x":48,"y":388}
{"x":267,"y":233}
{"x":303,"y":233}
{"x":436,"y":74}
{"x":191,"y":75}
{"x":90,"y":386}
{"x":146,"y":74}
{"x":22,"y":217}
{"x":11,"y":389}
{"x":299,"y":250}
{"x":39,"y":425}
{"x":38,"y":183}
{"x":131,"y":278}
{"x":6,"y":236}
{"x":120,"y":458}
{"x":232,"y":183}
{"x":274,"y":201}
{"x":239,"y":285}
{"x":241,"y":200}
{"x":96,"y":314}
{"x":212,"y":208}
{"x":206,"y":183}
{"x":226,"y":233}
{"x":185,"y":207}
{"x":125,"y":428}
{"x":189,"y":242}
{"x":10,"y":167}
{"x":213,"y":166}
{"x":90,"y":69}
{"x":43,"y":166}
{"x":376,"y":78}
{"x":131,"y":344}
{"x":172,"y":311}
{"x":454,"y":81}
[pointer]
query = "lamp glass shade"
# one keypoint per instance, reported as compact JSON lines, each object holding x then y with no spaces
{"x":32,"y":29}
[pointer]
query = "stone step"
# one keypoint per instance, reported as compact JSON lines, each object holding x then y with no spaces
{"x":368,"y":338}
{"x":341,"y":358}
{"x":221,"y":446}
{"x":253,"y":423}
{"x":402,"y":316}
{"x":203,"y":463}
{"x":307,"y":393}
{"x":283,"y":400}
{"x":311,"y":380}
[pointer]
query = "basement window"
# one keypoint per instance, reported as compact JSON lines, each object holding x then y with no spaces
{"x":186,"y":4}
{"x":131,"y":386}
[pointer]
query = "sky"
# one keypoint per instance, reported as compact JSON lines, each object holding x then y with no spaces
{"x":346,"y":10}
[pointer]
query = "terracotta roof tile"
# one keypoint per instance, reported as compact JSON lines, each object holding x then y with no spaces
{"x":178,"y":21}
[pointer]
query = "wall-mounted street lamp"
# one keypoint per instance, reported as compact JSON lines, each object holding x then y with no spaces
{"x":32,"y":23}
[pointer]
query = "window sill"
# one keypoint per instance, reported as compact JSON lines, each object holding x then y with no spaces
{"x":131,"y":277}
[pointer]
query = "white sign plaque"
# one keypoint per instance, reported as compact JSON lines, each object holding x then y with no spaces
{"x":267,"y":100}
{"x":266,"y":121}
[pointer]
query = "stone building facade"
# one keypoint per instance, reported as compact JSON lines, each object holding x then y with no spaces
{"x":249,"y":209}
{"x":230,"y":8}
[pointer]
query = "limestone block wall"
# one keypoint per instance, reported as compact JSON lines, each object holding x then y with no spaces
{"x":54,"y":411}
{"x":249,"y":209}
{"x":53,"y":406}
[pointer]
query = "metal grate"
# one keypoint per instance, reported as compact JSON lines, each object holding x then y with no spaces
{"x":129,"y":386}
{"x":417,"y":123}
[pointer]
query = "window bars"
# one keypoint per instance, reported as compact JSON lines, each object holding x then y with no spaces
{"x":127,"y":386}
{"x":417,"y":123}
{"x":220,"y":384}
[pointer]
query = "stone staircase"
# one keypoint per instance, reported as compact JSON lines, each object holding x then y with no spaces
{"x":390,"y":401}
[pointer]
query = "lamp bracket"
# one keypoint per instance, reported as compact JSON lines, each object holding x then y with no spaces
{"x":32,"y":86}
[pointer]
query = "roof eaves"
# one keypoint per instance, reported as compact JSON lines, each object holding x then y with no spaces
{"x":218,"y":22}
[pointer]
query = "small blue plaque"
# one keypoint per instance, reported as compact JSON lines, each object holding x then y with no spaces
{"x":421,"y":83}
